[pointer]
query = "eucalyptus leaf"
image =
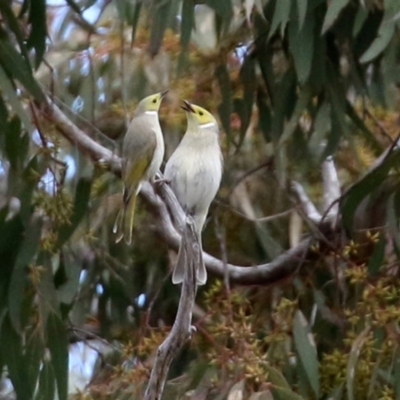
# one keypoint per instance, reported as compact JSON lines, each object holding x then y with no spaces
{"x":16,"y":66}
{"x":46,"y":389}
{"x":38,"y":33}
{"x":302,"y":47}
{"x":281,"y":16}
{"x":306,"y":350}
{"x":334,"y":9}
{"x":302,"y":12}
{"x":353,"y":360}
{"x":57,"y":342}
{"x":11,"y":348}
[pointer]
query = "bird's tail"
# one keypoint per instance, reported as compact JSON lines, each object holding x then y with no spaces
{"x":124,"y":223}
{"x":178,"y":274}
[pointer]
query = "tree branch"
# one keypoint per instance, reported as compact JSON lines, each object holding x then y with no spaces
{"x":164,"y":204}
{"x":181,"y":330}
{"x":331,"y":189}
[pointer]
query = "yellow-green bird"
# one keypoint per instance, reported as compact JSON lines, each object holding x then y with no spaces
{"x":142,"y":155}
{"x":194,"y":172}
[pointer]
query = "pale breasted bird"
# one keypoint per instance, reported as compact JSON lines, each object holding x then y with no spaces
{"x":194,"y":172}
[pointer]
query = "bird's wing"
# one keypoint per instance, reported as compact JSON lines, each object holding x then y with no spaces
{"x":142,"y":142}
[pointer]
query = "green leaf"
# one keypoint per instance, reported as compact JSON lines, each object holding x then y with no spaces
{"x":159,"y":24}
{"x":275,"y":377}
{"x":378,"y":255}
{"x":302,"y":12}
{"x":46,"y":388}
{"x":334,"y":9}
{"x":285,"y":100}
{"x":361,"y":17}
{"x":57,"y":342}
{"x":8,"y":91}
{"x":364,"y":130}
{"x":37,"y":37}
{"x":245,"y":109}
{"x":322,"y":125}
{"x":34,"y":350}
{"x":385,"y":34}
{"x":301,"y":105}
{"x":302,"y":47}
{"x":306,"y":350}
{"x":11,"y":350}
{"x":81,"y":202}
{"x":281,"y":16}
{"x":265,"y":117}
{"x":15,"y":66}
{"x":366,"y":185}
{"x":187,"y":26}
{"x":281,"y":393}
{"x":353,"y":360}
{"x":19,"y":279}
{"x":14,"y":25}
{"x":68,"y":290}
{"x":12,"y":142}
{"x":135,"y":19}
{"x":48,"y":300}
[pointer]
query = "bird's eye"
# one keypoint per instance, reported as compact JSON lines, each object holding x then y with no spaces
{"x":154,"y":101}
{"x":201,"y":113}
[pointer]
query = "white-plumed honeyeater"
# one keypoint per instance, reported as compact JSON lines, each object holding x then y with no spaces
{"x":142,"y":155}
{"x":194,"y":172}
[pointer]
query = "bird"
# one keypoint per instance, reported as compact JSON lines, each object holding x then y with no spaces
{"x":142,"y":155}
{"x":194,"y":172}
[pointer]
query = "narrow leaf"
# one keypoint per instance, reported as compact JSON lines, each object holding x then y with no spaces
{"x":302,"y":12}
{"x":82,"y":197}
{"x":353,"y":360}
{"x":362,"y":15}
{"x":187,"y":26}
{"x":281,"y":16}
{"x":366,"y":185}
{"x":275,"y":377}
{"x":46,"y":389}
{"x":15,"y":65}
{"x":334,"y":9}
{"x":301,"y":105}
{"x":11,"y":350}
{"x":378,"y":255}
{"x":306,"y":350}
{"x":57,"y":342}
{"x":159,"y":24}
{"x":281,"y":393}
{"x":19,"y":280}
{"x":37,"y":37}
{"x":34,"y":351}
{"x":385,"y":34}
{"x":135,"y":19}
{"x":302,"y":47}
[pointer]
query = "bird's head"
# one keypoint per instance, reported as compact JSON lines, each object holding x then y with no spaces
{"x":151,"y":104}
{"x":198,"y":116}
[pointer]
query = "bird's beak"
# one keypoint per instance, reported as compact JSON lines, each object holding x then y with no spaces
{"x":187,"y":107}
{"x":163,"y":94}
